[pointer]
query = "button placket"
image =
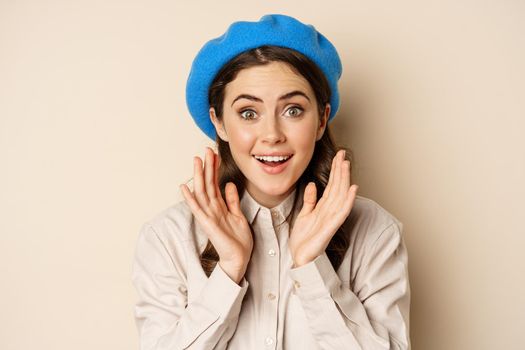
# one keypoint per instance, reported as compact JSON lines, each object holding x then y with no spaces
{"x":271,"y":307}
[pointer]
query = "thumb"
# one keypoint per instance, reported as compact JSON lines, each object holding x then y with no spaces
{"x":309,"y":198}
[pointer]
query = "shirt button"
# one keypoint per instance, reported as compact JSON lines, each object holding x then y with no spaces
{"x":271,"y":296}
{"x":296,"y":284}
{"x":275,"y":214}
{"x":271,"y":252}
{"x":268,"y":341}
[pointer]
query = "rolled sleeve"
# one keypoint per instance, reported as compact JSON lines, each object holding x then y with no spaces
{"x":163,"y":316}
{"x":221,"y":295}
{"x":375,"y":315}
{"x":315,"y":279}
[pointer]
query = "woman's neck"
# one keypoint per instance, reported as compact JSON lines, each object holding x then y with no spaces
{"x":268,"y":200}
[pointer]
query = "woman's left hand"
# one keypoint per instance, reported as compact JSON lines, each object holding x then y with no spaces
{"x":316,"y":224}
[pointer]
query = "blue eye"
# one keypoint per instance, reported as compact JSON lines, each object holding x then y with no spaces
{"x":248,"y":114}
{"x":295,"y":111}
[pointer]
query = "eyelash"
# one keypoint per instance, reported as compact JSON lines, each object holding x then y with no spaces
{"x":251,"y":110}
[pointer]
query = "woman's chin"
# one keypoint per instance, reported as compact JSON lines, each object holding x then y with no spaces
{"x":275,"y":190}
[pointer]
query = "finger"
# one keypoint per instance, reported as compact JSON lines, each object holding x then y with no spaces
{"x":232,"y":199}
{"x":209,"y":169}
{"x":345,"y":176}
{"x":200,"y":215}
{"x":309,"y":199}
{"x":350,"y":199}
{"x":192,"y":203}
{"x":338,"y":173}
{"x":344,"y":183}
{"x":217,"y":163}
{"x":198,"y":183}
{"x":330,"y":181}
{"x":216,"y":184}
{"x":336,"y":178}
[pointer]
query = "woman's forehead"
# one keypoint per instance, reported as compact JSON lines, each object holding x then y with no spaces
{"x":274,"y":78}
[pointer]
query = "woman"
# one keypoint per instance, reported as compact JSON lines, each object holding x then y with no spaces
{"x":272,"y":249}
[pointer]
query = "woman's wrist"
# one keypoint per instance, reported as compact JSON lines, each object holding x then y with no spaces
{"x":235,"y":273}
{"x":300,"y":259}
{"x":300,"y":262}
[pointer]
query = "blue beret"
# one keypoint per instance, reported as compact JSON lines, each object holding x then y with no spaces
{"x":277,"y":30}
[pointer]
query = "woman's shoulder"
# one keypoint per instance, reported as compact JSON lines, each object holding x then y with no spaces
{"x":175,"y":222}
{"x":368,"y":220}
{"x":366,"y":209}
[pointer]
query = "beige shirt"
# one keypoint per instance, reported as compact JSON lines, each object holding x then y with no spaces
{"x":363,"y":305}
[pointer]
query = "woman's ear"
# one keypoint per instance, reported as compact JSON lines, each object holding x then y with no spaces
{"x":322,"y":122}
{"x":219,"y":125}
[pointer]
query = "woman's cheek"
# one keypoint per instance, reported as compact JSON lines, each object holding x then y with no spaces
{"x":245,"y":136}
{"x":242,"y":139}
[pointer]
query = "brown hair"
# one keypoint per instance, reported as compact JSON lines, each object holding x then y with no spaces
{"x":318,"y":170}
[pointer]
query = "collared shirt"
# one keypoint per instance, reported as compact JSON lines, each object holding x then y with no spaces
{"x":363,"y":305}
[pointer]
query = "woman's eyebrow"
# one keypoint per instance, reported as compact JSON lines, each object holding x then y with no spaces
{"x":283,"y":97}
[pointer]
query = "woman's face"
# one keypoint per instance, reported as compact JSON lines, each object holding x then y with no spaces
{"x":270,"y":110}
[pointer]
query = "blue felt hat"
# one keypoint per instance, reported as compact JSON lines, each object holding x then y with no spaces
{"x":275,"y":29}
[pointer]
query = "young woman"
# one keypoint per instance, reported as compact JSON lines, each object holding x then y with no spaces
{"x":272,"y":249}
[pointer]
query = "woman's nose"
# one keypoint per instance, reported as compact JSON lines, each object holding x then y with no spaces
{"x":272,"y":131}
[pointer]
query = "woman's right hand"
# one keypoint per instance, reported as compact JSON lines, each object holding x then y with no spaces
{"x":223,"y":222}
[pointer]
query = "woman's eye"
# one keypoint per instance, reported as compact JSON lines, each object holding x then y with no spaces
{"x":294,"y":111}
{"x":248,"y":114}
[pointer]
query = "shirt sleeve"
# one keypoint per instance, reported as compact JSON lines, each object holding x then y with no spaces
{"x":375,"y":315}
{"x":163,"y":318}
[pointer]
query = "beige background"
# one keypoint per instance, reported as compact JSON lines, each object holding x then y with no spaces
{"x":95,"y":138}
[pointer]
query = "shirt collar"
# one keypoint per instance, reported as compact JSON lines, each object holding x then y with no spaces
{"x":250,"y":207}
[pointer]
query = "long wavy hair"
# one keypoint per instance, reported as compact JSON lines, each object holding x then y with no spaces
{"x":318,"y":170}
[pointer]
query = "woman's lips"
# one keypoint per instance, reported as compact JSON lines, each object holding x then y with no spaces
{"x":276,"y":168}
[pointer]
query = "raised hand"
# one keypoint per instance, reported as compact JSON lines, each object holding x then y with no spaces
{"x":317,"y":223}
{"x":223,"y":222}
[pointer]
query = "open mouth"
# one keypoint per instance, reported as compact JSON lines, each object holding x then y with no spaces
{"x":273,"y":161}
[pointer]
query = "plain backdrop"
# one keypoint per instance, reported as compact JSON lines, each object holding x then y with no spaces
{"x":95,"y":139}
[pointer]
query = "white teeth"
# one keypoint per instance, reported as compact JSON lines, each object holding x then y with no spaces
{"x":272,"y":158}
